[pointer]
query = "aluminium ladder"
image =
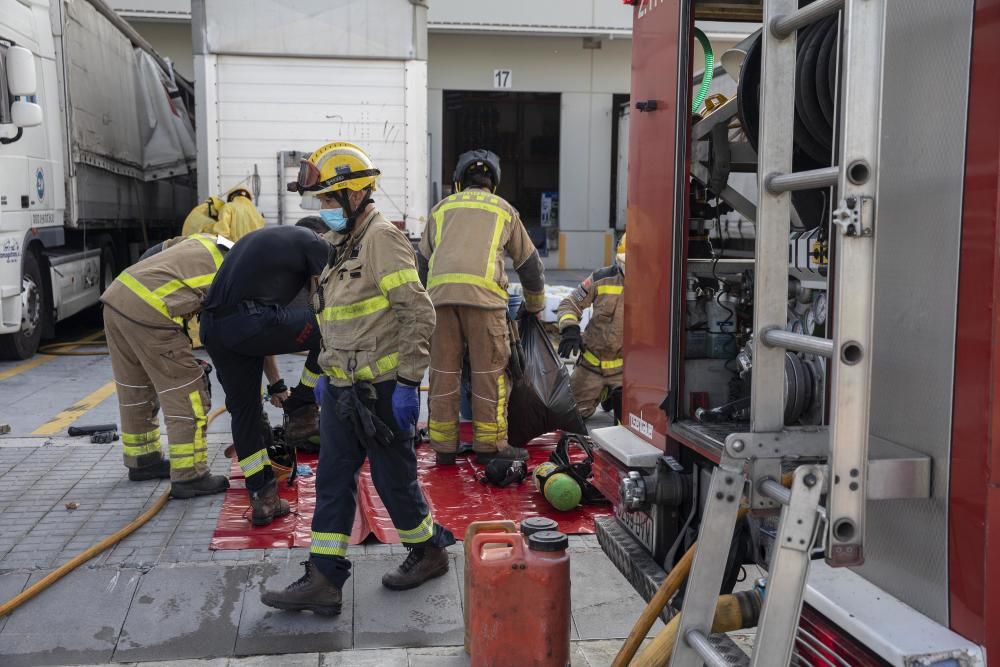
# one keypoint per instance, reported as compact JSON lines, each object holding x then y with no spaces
{"x":751,"y":462}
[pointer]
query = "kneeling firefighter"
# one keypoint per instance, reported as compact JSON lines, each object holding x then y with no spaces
{"x":376,"y":321}
{"x":598,"y":374}
{"x":153,"y":364}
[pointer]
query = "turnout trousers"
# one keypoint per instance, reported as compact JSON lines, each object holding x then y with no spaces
{"x":484,"y":332}
{"x":156,"y":367}
{"x":588,"y":385}
{"x":394,"y":472}
{"x":238,"y":339}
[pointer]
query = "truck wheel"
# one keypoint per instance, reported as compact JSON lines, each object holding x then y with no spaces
{"x":24,"y":344}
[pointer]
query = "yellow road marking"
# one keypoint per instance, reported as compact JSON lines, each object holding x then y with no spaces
{"x":65,"y":418}
{"x":45,"y":358}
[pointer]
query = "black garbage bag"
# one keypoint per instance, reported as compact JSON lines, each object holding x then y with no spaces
{"x":541,"y":401}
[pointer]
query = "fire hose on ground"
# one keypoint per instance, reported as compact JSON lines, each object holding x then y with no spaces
{"x":84,"y":556}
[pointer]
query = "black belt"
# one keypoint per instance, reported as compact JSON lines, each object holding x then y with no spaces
{"x":236,"y":309}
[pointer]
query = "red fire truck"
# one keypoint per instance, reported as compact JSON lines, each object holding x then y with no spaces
{"x":816,"y":394}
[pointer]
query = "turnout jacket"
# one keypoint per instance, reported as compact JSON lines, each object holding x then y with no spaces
{"x":462,"y":253}
{"x":374,"y":314}
{"x":168,"y":287}
{"x":602,"y":340}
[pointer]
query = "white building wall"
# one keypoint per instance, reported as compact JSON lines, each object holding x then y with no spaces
{"x":587,"y":80}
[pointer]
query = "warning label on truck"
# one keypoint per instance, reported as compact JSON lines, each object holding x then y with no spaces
{"x":10,"y":251}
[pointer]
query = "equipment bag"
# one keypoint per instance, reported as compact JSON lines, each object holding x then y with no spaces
{"x":542,"y":400}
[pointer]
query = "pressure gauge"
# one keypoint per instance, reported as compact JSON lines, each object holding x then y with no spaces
{"x":797,"y":326}
{"x":819,"y":308}
{"x":809,"y":322}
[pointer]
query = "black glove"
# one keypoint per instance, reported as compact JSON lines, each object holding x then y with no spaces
{"x":570,"y":343}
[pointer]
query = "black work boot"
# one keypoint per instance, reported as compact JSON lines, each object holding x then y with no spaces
{"x":160,"y":470}
{"x":506,"y":454}
{"x":267,"y":505}
{"x":311,"y":592}
{"x":445,"y":458}
{"x":422,"y":564}
{"x":205,"y":485}
{"x":302,"y":431}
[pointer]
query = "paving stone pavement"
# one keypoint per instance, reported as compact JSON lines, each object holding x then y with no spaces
{"x":162,"y":594}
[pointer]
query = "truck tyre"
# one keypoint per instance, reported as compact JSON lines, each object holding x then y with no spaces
{"x":24,"y":344}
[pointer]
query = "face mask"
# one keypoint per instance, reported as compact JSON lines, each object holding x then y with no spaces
{"x":334,"y":218}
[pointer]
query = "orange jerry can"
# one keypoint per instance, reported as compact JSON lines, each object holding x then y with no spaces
{"x":519,"y":601}
{"x":534,"y":524}
{"x":475,"y":528}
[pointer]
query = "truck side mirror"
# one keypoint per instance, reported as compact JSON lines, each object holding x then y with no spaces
{"x":21,"y":72}
{"x":25,"y":114}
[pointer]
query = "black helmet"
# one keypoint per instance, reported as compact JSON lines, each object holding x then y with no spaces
{"x":479,"y":159}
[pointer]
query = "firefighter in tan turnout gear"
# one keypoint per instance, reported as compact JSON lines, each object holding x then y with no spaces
{"x":153,"y":364}
{"x":376,"y":321}
{"x":598,"y":374}
{"x":462,"y":263}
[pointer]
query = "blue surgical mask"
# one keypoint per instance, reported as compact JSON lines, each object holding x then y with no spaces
{"x":334,"y":218}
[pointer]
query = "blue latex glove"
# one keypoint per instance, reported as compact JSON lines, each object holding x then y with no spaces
{"x":319,"y":389}
{"x":405,"y":406}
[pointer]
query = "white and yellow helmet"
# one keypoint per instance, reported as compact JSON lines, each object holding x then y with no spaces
{"x":339,"y":165}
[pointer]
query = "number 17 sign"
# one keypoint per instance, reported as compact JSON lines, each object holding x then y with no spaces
{"x":501,"y":78}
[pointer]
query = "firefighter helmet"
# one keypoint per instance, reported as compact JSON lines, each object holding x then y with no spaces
{"x":336,"y":166}
{"x":479,"y":160}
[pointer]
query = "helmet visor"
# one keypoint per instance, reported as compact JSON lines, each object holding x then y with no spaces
{"x":308,"y":179}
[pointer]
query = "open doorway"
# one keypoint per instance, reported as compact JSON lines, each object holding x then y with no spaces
{"x":523,"y":129}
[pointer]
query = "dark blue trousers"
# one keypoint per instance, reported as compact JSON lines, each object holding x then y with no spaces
{"x":394,"y":472}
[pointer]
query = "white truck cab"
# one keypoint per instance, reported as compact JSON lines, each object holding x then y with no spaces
{"x":96,"y":158}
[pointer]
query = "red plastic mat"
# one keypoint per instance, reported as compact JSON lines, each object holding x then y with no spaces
{"x":455,"y":494}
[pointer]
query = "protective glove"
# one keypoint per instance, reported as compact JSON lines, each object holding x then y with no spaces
{"x":405,"y":405}
{"x":570,"y":343}
{"x":319,"y":389}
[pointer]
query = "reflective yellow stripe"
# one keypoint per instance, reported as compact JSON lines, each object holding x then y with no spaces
{"x":494,"y":243}
{"x":155,"y":297}
{"x":182,"y":455}
{"x":487,"y":278}
{"x":592,"y":359}
{"x":610,"y":289}
{"x":421,"y":533}
{"x":308,"y":378}
{"x":140,"y":444}
{"x":143,"y":293}
{"x":501,"y":405}
{"x":200,"y":424}
{"x":491,"y":208}
{"x":209,"y":242}
{"x":329,"y":544}
{"x":255,"y":463}
{"x":183,"y":449}
{"x":142,"y":438}
{"x":442,"y":432}
{"x":384,"y":365}
{"x":169,"y":288}
{"x":394,"y":280}
{"x":534,"y":299}
{"x":466,"y":279}
{"x":569,"y":316}
{"x":358,"y":309}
